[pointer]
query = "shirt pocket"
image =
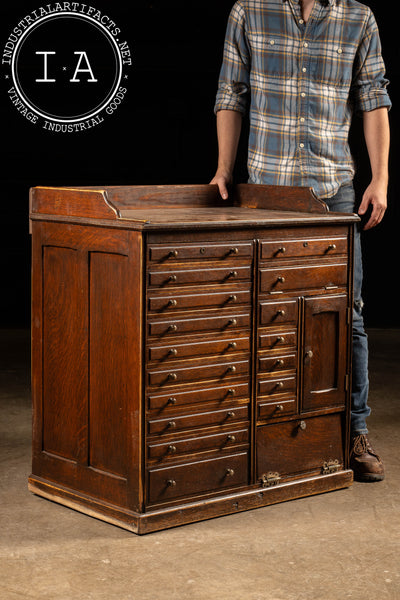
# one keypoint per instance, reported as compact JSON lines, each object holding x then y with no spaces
{"x":272,"y":54}
{"x":334,"y":63}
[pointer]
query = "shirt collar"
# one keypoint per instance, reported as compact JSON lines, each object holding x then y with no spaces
{"x":331,"y":2}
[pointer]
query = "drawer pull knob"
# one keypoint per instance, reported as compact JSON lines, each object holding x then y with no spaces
{"x":173,"y":351}
{"x":281,"y":312}
{"x":232,"y":322}
{"x":172,"y":449}
{"x":231,"y":369}
{"x":229,"y":472}
{"x":172,"y":278}
{"x":280,"y":279}
{"x":233,"y":274}
{"x":231,"y":414}
{"x":172,"y":424}
{"x":173,"y":253}
{"x":232,"y":345}
{"x":302,"y":425}
{"x":281,"y":249}
{"x":231,"y":438}
{"x":279,"y":407}
{"x":280,"y":339}
{"x":172,"y":400}
{"x":173,"y":376}
{"x":234,"y":250}
{"x":172,"y":302}
{"x":231,"y":392}
{"x":232,"y":298}
{"x":279,"y":362}
{"x":172,"y":327}
{"x":279,"y":384}
{"x":332,"y":247}
{"x":309,"y":354}
{"x":171,"y":482}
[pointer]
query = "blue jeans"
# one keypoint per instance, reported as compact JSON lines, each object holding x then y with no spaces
{"x":344,"y":201}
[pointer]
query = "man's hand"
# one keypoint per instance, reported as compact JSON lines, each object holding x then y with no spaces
{"x":222,"y":179}
{"x":375,"y":196}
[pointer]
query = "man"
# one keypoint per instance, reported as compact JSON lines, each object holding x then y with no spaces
{"x":304,"y":68}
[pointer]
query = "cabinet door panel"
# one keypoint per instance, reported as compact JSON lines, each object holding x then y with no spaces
{"x":324,"y":354}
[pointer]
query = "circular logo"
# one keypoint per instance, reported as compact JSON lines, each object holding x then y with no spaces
{"x":67,"y":68}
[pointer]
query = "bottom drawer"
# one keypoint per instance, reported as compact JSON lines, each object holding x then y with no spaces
{"x":197,"y":477}
{"x":299,"y":446}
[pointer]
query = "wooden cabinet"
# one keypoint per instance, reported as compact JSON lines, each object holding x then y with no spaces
{"x":190,"y":357}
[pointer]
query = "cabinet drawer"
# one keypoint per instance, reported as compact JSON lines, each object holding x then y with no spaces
{"x":275,"y":410}
{"x":219,"y":442}
{"x":302,"y":277}
{"x":299,"y":446}
{"x":177,"y":252}
{"x":277,"y":385}
{"x":205,"y":323}
{"x":277,"y":313}
{"x":176,"y":302}
{"x":324,"y":246}
{"x":215,"y":418}
{"x":217,"y":393}
{"x":197,"y":477}
{"x":277,"y":362}
{"x":278,"y":340}
{"x":201,"y":275}
{"x":222,"y":347}
{"x":175,"y":376}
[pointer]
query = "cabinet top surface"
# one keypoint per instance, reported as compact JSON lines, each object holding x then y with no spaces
{"x":183,"y":206}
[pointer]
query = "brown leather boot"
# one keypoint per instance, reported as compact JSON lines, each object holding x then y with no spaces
{"x":364,"y":461}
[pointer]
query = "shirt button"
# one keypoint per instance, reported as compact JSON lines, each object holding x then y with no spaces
{"x":302,"y":119}
{"x":272,"y":42}
{"x":339,"y":51}
{"x":301,"y":145}
{"x":301,"y":21}
{"x":303,"y":94}
{"x":305,"y":45}
{"x":304,"y":69}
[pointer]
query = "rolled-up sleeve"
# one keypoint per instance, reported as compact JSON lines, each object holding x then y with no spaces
{"x":233,"y":84}
{"x":369,"y":89}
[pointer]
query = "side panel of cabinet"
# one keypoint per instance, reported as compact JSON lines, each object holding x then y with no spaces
{"x":324,"y":352}
{"x":86,"y":360}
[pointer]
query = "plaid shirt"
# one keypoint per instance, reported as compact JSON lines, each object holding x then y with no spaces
{"x":306,"y":80}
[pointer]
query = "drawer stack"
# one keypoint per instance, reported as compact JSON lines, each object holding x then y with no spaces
{"x":198,"y":364}
{"x":301,"y":352}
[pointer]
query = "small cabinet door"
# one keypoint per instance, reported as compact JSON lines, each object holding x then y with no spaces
{"x":324,"y":352}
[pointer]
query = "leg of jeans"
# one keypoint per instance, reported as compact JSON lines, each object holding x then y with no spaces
{"x":344,"y":201}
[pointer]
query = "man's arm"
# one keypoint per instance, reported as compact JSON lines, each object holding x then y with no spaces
{"x":377,"y":139}
{"x":229,"y":125}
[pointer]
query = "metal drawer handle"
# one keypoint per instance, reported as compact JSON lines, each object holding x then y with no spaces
{"x":233,"y":274}
{"x":172,"y":278}
{"x":171,"y":482}
{"x":231,"y":369}
{"x":172,"y":424}
{"x":173,"y":351}
{"x":332,"y":247}
{"x":232,"y":298}
{"x":172,"y":400}
{"x":234,"y":250}
{"x":279,"y":362}
{"x":280,"y":279}
{"x":279,"y":407}
{"x":279,"y":384}
{"x":173,"y":253}
{"x":302,"y":425}
{"x":172,"y":449}
{"x":281,"y":249}
{"x":172,"y":302}
{"x":281,"y":312}
{"x":280,"y":339}
{"x":232,"y":322}
{"x":173,"y":376}
{"x":231,"y":392}
{"x":172,"y":327}
{"x":309,"y":354}
{"x":231,"y":414}
{"x":229,"y":472}
{"x":231,"y":438}
{"x":232,"y":345}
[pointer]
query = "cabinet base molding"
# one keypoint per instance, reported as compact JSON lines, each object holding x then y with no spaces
{"x":184,"y":514}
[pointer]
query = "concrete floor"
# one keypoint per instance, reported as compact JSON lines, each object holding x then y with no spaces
{"x":345,"y":544}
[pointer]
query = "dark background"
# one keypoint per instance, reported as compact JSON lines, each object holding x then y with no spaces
{"x":163,"y":133}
